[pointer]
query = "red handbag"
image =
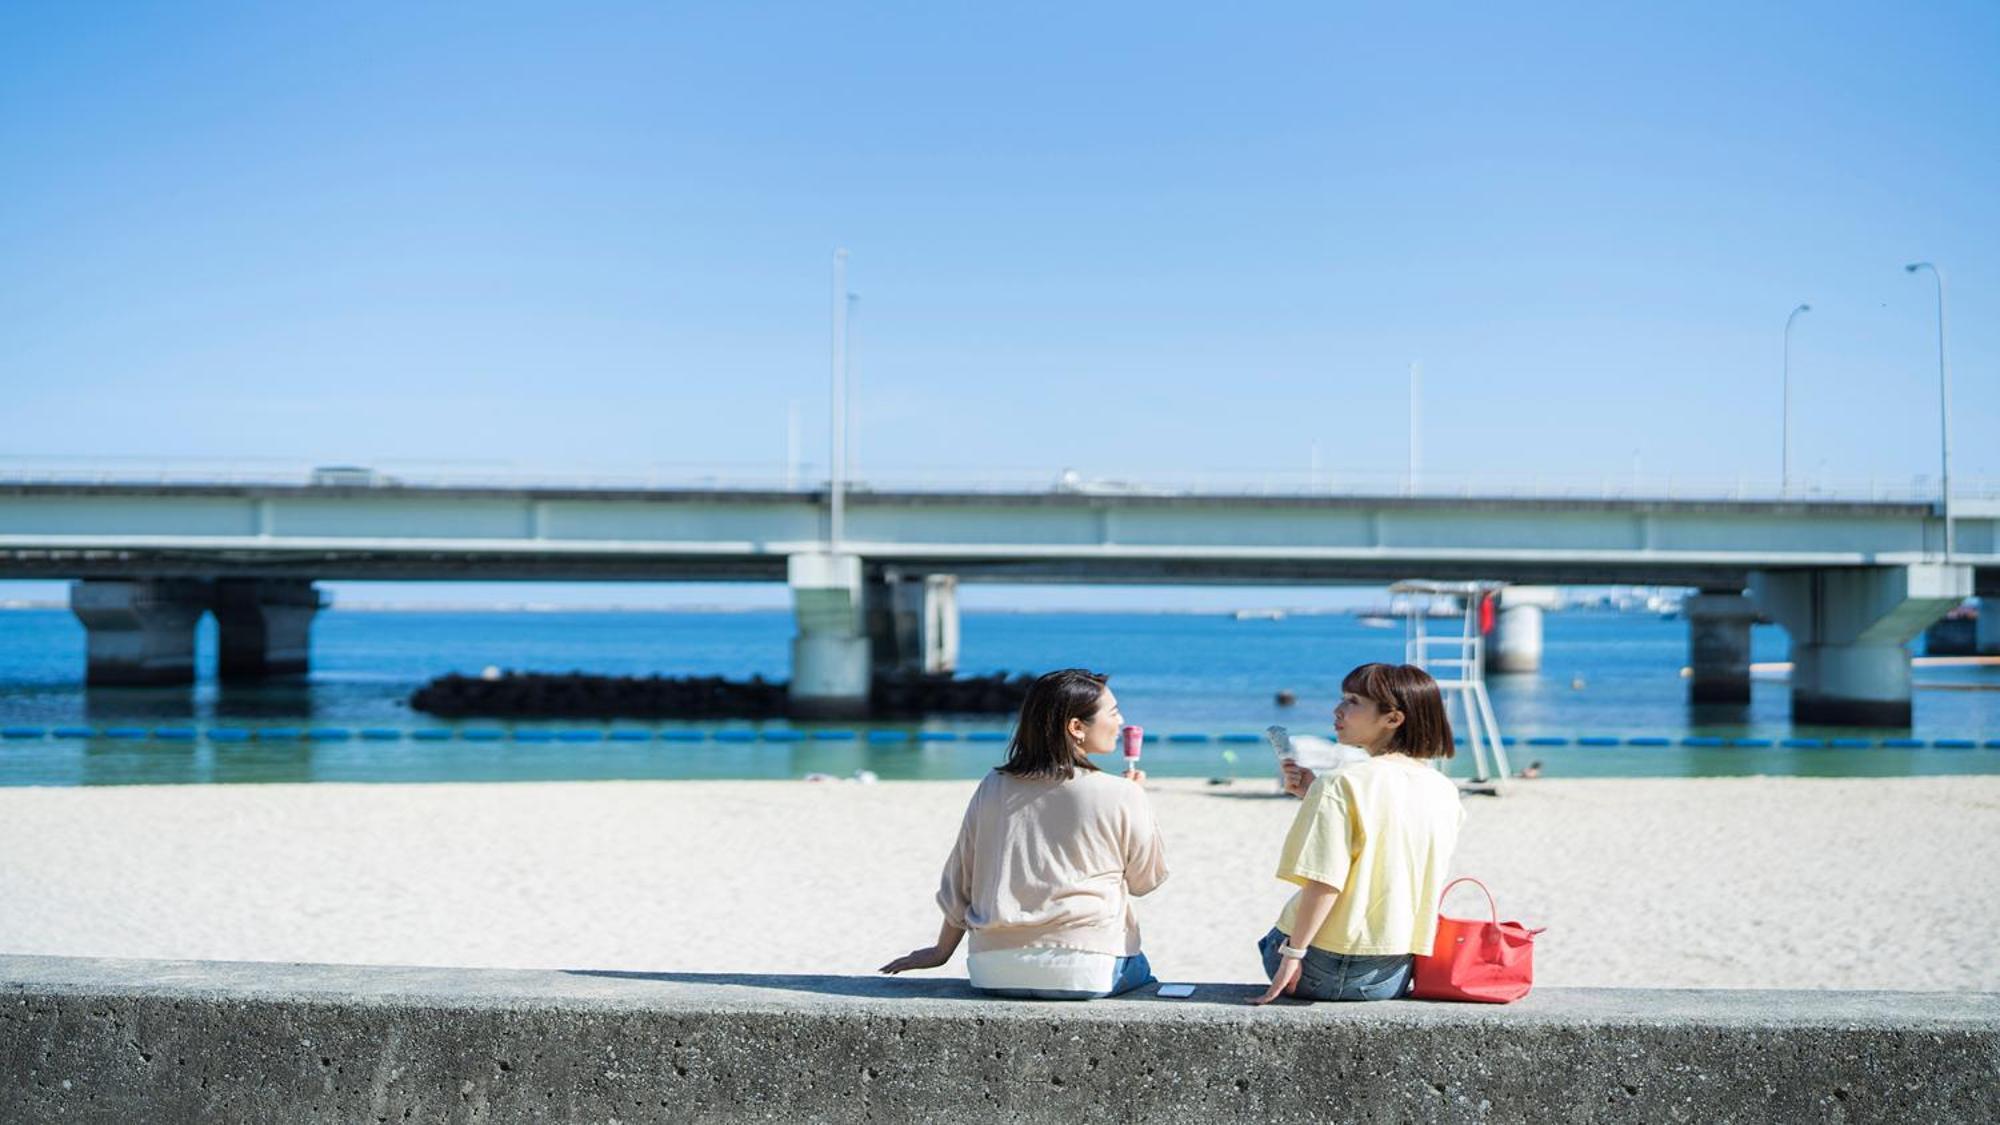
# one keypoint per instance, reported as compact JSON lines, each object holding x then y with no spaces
{"x":1487,"y":962}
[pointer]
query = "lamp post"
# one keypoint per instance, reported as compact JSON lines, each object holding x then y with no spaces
{"x":837,"y":471}
{"x":1785,"y":411}
{"x":1944,"y":406}
{"x":791,"y":444}
{"x":1416,"y":446}
{"x":852,"y":371}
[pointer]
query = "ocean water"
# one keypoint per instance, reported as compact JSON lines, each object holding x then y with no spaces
{"x":1205,"y":684}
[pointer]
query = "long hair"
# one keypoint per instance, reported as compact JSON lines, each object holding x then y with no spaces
{"x":1041,"y":747}
{"x":1426,"y":730}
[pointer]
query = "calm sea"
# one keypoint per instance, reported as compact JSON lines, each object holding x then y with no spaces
{"x":1209,"y":679}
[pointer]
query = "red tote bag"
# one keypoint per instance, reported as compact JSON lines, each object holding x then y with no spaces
{"x":1489,"y":962}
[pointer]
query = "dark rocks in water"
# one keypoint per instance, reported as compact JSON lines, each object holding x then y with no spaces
{"x":577,"y":695}
{"x":535,"y":695}
{"x":944,"y":693}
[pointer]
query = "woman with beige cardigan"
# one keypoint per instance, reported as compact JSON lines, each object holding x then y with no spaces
{"x":1050,"y":854}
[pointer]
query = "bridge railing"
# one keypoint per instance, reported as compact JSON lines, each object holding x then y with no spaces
{"x":807,"y":478}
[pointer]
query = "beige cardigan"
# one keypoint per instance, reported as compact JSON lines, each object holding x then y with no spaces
{"x":1053,"y":863}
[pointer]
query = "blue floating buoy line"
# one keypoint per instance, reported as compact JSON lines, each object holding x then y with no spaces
{"x":885,"y":737}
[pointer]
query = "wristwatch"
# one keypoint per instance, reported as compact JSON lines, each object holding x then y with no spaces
{"x":1290,"y":954}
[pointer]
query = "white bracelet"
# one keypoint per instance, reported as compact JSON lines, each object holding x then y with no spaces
{"x":1290,"y":954}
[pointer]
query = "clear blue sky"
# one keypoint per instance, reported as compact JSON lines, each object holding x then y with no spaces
{"x":1131,"y":240}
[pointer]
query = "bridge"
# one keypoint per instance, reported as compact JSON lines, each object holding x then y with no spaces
{"x":1852,"y":579}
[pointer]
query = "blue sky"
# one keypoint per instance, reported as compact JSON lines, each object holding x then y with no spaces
{"x":1132,"y":240}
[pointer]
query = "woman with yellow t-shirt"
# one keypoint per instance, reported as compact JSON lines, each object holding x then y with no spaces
{"x":1370,"y":847}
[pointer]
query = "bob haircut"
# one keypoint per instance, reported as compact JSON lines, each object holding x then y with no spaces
{"x":1426,"y":730}
{"x":1041,"y":747}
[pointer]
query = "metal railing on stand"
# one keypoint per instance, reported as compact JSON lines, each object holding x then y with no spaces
{"x":1458,"y":663}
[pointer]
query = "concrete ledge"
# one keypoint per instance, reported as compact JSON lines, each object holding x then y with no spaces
{"x":163,"y":1041}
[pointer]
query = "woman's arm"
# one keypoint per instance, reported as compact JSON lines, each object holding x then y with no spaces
{"x":1315,"y":905}
{"x":954,"y":897}
{"x":932,"y":957}
{"x":1145,"y":852}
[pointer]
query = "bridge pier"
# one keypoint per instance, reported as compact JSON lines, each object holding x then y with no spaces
{"x":264,"y":627}
{"x":138,"y":631}
{"x":1848,"y":628}
{"x":830,"y":651}
{"x":913,"y":623}
{"x":1517,"y":630}
{"x":1719,"y":646}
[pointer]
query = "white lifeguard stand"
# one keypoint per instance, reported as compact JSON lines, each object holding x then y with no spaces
{"x":1457,"y":661}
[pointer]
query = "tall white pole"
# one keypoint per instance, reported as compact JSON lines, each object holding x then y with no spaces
{"x":1785,"y":410}
{"x":837,"y":463}
{"x":791,"y":445}
{"x":1416,"y":442}
{"x":1944,"y":408}
{"x":853,"y":372}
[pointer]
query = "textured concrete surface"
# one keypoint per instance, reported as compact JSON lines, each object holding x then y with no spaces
{"x":163,"y":1041}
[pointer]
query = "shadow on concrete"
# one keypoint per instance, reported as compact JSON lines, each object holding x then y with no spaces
{"x":918,"y":988}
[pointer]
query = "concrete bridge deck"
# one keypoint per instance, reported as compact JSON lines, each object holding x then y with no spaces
{"x":117,"y":1041}
{"x":1852,"y":581}
{"x":418,"y":532}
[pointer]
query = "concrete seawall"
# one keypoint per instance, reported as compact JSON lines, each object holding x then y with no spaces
{"x":163,"y":1041}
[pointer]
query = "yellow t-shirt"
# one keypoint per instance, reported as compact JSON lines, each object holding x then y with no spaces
{"x":1381,"y":832}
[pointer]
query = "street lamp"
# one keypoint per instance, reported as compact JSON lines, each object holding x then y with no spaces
{"x":838,"y":442}
{"x":1944,"y":405}
{"x":1785,"y":412}
{"x":852,"y":371}
{"x":1416,"y":443}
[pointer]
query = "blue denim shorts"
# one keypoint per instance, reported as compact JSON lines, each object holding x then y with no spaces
{"x":1132,"y":972}
{"x":1340,"y":976}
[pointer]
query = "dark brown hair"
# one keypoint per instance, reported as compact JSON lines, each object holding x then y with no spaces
{"x":1041,"y":747}
{"x":1426,"y":730}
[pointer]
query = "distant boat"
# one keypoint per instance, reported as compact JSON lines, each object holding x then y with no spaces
{"x":1260,"y":615}
{"x":1377,"y":621}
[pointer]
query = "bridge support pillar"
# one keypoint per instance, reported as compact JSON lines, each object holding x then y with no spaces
{"x":913,"y":623}
{"x":264,"y":627}
{"x":1719,"y":646}
{"x":830,"y":663}
{"x":139,"y":631}
{"x":1517,"y":630}
{"x":1987,"y":631}
{"x":1848,"y":627}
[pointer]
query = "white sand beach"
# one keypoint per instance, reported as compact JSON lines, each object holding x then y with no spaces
{"x":1726,"y":883}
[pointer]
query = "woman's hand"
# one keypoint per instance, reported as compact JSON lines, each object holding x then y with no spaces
{"x":929,"y":957}
{"x":1298,"y":779}
{"x":1284,"y":983}
{"x":1134,"y":774}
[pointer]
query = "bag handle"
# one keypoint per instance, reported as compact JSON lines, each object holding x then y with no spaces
{"x":1490,"y":903}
